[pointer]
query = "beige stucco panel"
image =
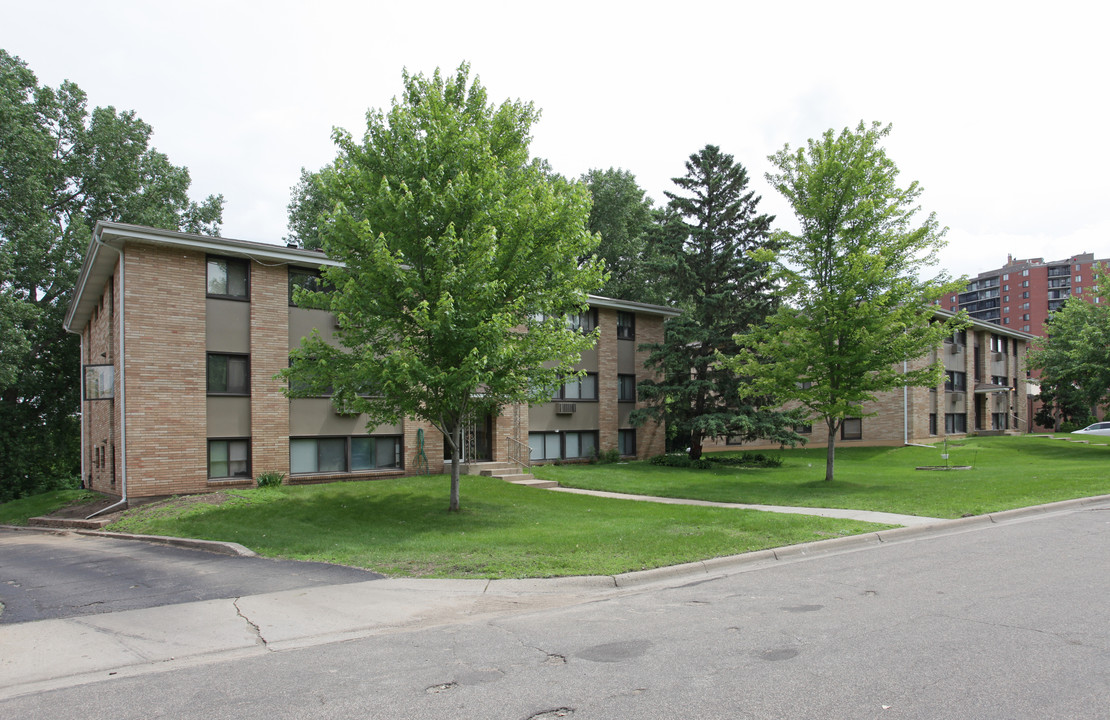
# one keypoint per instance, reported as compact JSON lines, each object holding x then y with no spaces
{"x":626,"y":357}
{"x":227,"y":326}
{"x":315,"y":416}
{"x":303,"y":321}
{"x":229,"y":417}
{"x":543,"y":417}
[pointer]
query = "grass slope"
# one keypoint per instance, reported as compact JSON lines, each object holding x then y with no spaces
{"x":1007,"y":472}
{"x":17,"y":512}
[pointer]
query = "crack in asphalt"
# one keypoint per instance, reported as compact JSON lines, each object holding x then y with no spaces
{"x":253,"y":626}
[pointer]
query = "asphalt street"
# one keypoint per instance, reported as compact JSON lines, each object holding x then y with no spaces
{"x":59,"y":575}
{"x":1005,"y":620}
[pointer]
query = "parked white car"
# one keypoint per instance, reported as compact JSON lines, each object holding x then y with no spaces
{"x":1099,"y":428}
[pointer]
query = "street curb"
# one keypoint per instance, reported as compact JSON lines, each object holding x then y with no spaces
{"x":215,"y":546}
{"x":723,"y":565}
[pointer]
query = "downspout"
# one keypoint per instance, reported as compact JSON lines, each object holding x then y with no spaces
{"x":905,"y":407}
{"x":120,"y":389}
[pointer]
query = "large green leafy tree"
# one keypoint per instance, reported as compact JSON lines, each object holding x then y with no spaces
{"x":855,"y":312}
{"x":62,"y":169}
{"x":704,"y":247}
{"x":1074,"y":357}
{"x":461,"y":260}
{"x":624,"y":217}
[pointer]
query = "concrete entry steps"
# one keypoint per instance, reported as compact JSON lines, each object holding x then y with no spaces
{"x":511,"y":472}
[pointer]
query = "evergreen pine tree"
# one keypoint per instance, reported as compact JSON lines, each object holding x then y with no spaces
{"x":705,"y":238}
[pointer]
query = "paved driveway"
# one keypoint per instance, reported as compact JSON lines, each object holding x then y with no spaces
{"x":59,"y":575}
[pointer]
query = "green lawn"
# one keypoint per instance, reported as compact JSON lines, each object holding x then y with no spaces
{"x":401,"y":527}
{"x":1007,"y":472}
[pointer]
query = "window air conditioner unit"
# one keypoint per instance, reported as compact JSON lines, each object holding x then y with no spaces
{"x":999,"y":356}
{"x":954,"y":348}
{"x":565,"y":408}
{"x":957,"y":397}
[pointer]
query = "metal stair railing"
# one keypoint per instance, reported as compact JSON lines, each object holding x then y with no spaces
{"x":519,"y":452}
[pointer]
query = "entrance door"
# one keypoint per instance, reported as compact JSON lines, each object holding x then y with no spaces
{"x":477,"y":441}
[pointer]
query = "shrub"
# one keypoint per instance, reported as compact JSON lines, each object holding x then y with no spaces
{"x":748,"y":459}
{"x":607,"y":457}
{"x":701,"y":463}
{"x":671,"y":460}
{"x":1073,"y":425}
{"x":270,"y":478}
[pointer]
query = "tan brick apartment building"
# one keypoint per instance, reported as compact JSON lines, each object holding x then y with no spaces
{"x":984,"y":392}
{"x":181,"y":336}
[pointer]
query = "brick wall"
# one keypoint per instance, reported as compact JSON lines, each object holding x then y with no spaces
{"x":607,"y":379}
{"x":269,"y":354}
{"x":433,"y":446}
{"x":165,"y":371}
{"x":651,"y":436}
{"x":100,"y":419}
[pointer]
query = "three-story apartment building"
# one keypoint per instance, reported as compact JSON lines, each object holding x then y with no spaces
{"x":182,"y":335}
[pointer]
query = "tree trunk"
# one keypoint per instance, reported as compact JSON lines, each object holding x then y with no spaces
{"x":695,"y":445}
{"x":830,"y":452}
{"x":455,"y":439}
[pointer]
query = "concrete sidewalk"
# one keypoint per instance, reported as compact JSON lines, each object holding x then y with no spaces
{"x":866,"y":515}
{"x":46,"y":654}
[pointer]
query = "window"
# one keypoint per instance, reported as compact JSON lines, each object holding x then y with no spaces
{"x":1025,"y":317}
{"x":1025,"y":306}
{"x":1079,"y":278}
{"x":803,"y":429}
{"x":583,"y":388}
{"x":1025,"y":328}
{"x":1005,"y":276}
{"x":1005,"y":288}
{"x":955,"y":423}
{"x":626,"y":442}
{"x":960,"y":337}
{"x":228,"y":374}
{"x":229,"y":458}
{"x":932,"y":423}
{"x":1000,"y":421}
{"x":344,"y":454}
{"x":1025,"y":273}
{"x":999,"y":380}
{"x":563,"y":445}
{"x":1006,"y":308}
{"x":584,"y":321}
{"x":100,"y":382}
{"x":999,"y":343}
{"x":1005,"y":321}
{"x":851,"y":429}
{"x":1025,"y":295}
{"x":626,"y":388}
{"x":228,"y":278}
{"x":303,"y":278}
{"x":626,"y":325}
{"x":957,"y":381}
{"x":1025,"y":283}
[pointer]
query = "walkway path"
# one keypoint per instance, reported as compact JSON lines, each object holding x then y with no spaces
{"x":866,"y":515}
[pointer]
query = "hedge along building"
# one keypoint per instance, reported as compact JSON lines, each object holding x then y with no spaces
{"x":984,"y":392}
{"x":182,"y":335}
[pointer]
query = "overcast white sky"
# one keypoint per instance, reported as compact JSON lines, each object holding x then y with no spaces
{"x":999,"y":108}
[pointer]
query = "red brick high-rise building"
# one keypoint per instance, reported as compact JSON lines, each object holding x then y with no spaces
{"x":1023,"y":293}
